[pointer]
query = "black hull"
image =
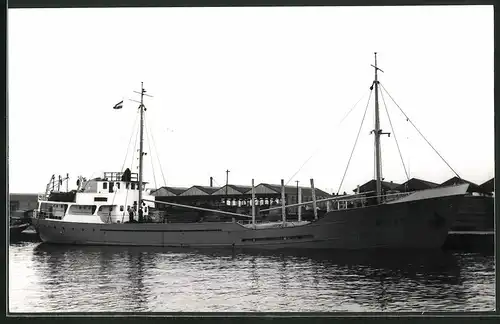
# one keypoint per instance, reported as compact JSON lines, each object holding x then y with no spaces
{"x":421,"y":223}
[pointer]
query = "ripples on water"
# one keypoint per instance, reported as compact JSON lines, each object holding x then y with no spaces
{"x":49,"y":278}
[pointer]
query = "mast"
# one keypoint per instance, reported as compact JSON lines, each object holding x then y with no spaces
{"x":141,"y":107}
{"x":141,"y":148}
{"x":377,"y":132}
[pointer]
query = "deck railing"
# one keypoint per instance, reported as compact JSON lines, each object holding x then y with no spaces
{"x":117,"y":176}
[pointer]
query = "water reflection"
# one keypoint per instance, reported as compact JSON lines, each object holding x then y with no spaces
{"x":95,"y":278}
{"x":89,"y":274}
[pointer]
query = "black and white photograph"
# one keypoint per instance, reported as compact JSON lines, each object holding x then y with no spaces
{"x":303,"y":159}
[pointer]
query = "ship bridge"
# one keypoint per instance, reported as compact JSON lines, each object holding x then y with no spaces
{"x":112,"y":182}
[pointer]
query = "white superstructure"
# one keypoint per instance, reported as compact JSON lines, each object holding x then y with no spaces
{"x":108,"y":199}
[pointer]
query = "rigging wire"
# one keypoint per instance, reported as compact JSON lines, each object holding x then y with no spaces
{"x":130,"y":140}
{"x":394,"y":133}
{"x":149,"y":145}
{"x":128,"y":146}
{"x":134,"y":151}
{"x":355,"y":142}
{"x":355,"y":105}
{"x":408,"y":119}
{"x":133,"y":155}
{"x":125,"y":160}
{"x":158,"y":158}
{"x":111,"y":183}
{"x":319,"y":148}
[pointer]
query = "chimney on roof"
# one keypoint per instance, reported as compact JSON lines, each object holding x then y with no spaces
{"x":211,"y":182}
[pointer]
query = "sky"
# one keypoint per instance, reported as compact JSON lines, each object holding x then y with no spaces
{"x":256,"y":91}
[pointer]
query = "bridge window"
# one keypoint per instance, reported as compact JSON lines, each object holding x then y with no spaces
{"x":82,"y":209}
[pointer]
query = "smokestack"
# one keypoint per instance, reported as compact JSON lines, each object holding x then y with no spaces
{"x":211,"y":182}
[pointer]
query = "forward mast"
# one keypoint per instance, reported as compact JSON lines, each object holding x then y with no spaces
{"x":377,"y":132}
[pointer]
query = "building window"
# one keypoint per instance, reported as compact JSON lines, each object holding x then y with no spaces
{"x":133,"y":186}
{"x":127,"y":185}
{"x":118,"y":185}
{"x":104,"y":185}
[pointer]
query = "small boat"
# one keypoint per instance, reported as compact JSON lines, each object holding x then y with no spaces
{"x":19,"y":221}
{"x":16,"y":229}
{"x":114,"y":209}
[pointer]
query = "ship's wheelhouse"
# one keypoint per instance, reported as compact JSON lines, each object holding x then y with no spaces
{"x":112,"y":182}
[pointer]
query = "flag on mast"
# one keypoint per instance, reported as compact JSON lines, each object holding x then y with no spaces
{"x":119,"y":105}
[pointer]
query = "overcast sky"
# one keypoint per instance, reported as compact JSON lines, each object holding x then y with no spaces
{"x":254,"y":90}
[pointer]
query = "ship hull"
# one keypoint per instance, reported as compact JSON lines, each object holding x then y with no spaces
{"x":421,"y":222}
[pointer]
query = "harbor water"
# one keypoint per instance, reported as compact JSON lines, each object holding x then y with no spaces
{"x":55,"y":278}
